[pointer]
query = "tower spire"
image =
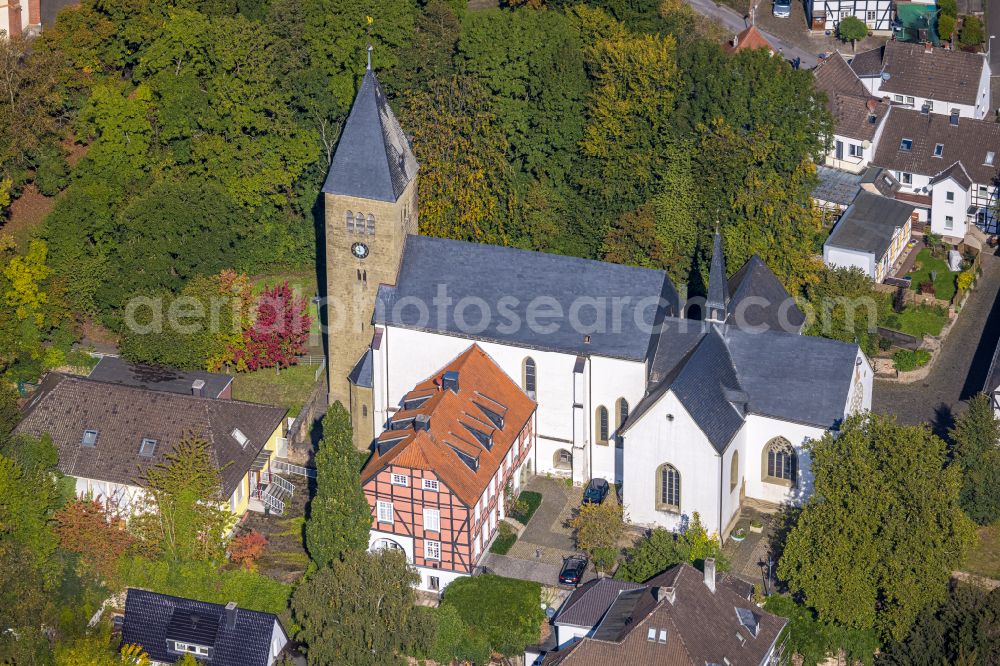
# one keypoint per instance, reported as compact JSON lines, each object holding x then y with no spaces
{"x":370,"y":49}
{"x":715,"y":304}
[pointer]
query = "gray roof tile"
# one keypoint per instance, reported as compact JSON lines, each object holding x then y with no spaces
{"x":589,"y":602}
{"x":373,"y":159}
{"x":869,"y":224}
{"x":941,"y":74}
{"x":119,"y":371}
{"x":362,"y":373}
{"x":757,"y":299}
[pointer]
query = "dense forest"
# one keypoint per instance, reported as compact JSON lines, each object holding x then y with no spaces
{"x":191,"y":137}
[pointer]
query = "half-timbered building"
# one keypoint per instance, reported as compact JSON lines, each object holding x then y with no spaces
{"x":439,"y":475}
{"x":826,"y":14}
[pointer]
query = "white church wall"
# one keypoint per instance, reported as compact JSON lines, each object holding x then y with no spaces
{"x":759,"y":430}
{"x":610,"y":380}
{"x":655,"y":440}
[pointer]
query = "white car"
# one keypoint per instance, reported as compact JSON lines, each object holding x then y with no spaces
{"x":782,"y":8}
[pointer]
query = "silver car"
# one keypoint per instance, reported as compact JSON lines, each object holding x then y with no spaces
{"x":782,"y":8}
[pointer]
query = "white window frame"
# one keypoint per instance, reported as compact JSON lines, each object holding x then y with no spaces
{"x":855,"y":150}
{"x":399,"y":480}
{"x":385,"y":512}
{"x":949,"y":222}
{"x":949,"y":197}
{"x":432,"y":520}
{"x":898,"y":98}
{"x":199,"y":650}
{"x":432,"y":550}
{"x":431,"y":484}
{"x":910,"y":100}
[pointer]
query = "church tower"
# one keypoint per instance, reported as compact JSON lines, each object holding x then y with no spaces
{"x":370,"y":203}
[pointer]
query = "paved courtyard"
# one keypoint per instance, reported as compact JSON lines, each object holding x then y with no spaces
{"x":961,"y":370}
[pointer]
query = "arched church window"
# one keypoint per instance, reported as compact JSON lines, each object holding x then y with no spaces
{"x":622,"y":407}
{"x":530,"y":378}
{"x":780,"y":464}
{"x":602,"y":425}
{"x":668,"y":488}
{"x":359,"y":223}
{"x":371,"y":224}
{"x":734,"y":471}
{"x":350,"y":221}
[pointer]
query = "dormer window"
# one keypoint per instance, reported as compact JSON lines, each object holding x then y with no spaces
{"x":939,"y":150}
{"x":748,"y":620}
{"x":906,"y":145}
{"x":240,"y":438}
{"x":147,"y":447}
{"x":89,"y":438}
{"x":199,"y":650}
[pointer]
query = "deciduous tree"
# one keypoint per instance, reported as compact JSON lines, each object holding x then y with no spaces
{"x":279,"y":333}
{"x":339,"y":516}
{"x":597,"y":529}
{"x":880,"y":536}
{"x":976,"y":438}
{"x":96,"y":531}
{"x":506,"y":611}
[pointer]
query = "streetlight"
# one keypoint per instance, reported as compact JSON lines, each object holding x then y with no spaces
{"x":989,"y":46}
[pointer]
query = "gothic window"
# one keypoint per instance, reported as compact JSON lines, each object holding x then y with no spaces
{"x":734,"y":471}
{"x":350,"y":221}
{"x":371,"y":224}
{"x":668,"y":488}
{"x":359,"y":223}
{"x":622,"y":405}
{"x":530,"y":382}
{"x":780,"y":464}
{"x":602,"y":425}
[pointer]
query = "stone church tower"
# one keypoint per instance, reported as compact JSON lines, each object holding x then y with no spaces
{"x":370,"y":201}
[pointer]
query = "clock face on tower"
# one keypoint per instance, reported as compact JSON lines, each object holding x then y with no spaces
{"x":359,"y":250}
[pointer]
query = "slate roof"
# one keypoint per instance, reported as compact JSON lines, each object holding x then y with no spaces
{"x":362,"y":372}
{"x":882,"y":180}
{"x":755,"y":285}
{"x":65,"y":406}
{"x":448,"y":444}
{"x":868,"y":64}
{"x":373,"y":159}
{"x":836,"y":186}
{"x":869,"y":224}
{"x":119,"y":371}
{"x":717,"y":296}
{"x":942,"y":74}
{"x":589,"y":602}
{"x":702,"y":627}
{"x":152,"y":619}
{"x":957,"y":173}
{"x":968,"y":142}
{"x":750,"y":38}
{"x":515,"y":283}
{"x":856,"y":114}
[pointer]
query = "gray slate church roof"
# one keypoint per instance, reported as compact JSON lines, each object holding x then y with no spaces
{"x":373,"y":159}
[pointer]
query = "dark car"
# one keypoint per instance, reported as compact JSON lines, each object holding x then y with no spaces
{"x":572,"y":570}
{"x":596,"y":491}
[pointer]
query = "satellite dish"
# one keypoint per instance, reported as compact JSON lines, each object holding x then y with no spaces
{"x":886,"y":76}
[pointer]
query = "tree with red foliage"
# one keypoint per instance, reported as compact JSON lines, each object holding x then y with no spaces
{"x":96,"y":531}
{"x":279,"y":332}
{"x":247,"y":548}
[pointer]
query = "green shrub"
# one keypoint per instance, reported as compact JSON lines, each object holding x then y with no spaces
{"x":526,"y":505}
{"x":905,"y":360}
{"x":885,"y":344}
{"x":51,"y":172}
{"x":851,"y":29}
{"x":946,"y":27}
{"x":815,"y":641}
{"x":505,"y":611}
{"x":971,"y":33}
{"x":605,"y":558}
{"x":506,"y":537}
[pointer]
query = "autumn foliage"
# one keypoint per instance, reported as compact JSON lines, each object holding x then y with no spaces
{"x":279,"y":333}
{"x":96,"y":531}
{"x":247,"y":548}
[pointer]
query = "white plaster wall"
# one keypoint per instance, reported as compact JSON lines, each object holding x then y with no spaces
{"x":611,"y":379}
{"x":759,"y":430}
{"x":654,"y":440}
{"x":404,"y":541}
{"x":278,"y":642}
{"x":940,"y":208}
{"x":983,"y":96}
{"x":445,"y":578}
{"x":835,"y":257}
{"x":568,"y":633}
{"x":128,"y":498}
{"x":850,"y":163}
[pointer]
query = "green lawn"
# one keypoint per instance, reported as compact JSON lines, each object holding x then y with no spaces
{"x":985,"y":558}
{"x":506,"y":537}
{"x":944,"y":284}
{"x":918,"y":320}
{"x":290,"y":388}
{"x":529,"y":502}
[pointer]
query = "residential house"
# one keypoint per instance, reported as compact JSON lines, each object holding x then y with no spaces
{"x":169,"y":628}
{"x":116,"y":370}
{"x":693,"y":405}
{"x":858,"y":118}
{"x":835,"y":189}
{"x":439,"y":474}
{"x":750,"y":38}
{"x":922,"y":77}
{"x":871,"y":235}
{"x":679,"y":617}
{"x":826,"y":14}
{"x":107,"y":435}
{"x":26,"y":17}
{"x":946,"y":165}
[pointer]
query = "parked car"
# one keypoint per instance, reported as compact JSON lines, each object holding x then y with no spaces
{"x":782,"y":8}
{"x":572,"y":570}
{"x":596,"y":491}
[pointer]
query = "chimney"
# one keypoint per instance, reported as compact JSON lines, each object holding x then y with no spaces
{"x":231,"y":615}
{"x":449,"y":381}
{"x":422,"y":422}
{"x":198,"y":388}
{"x":736,"y":41}
{"x":710,"y":574}
{"x":928,"y":47}
{"x":666,"y":594}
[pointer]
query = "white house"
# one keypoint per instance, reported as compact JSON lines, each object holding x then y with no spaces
{"x":826,"y":14}
{"x":922,"y":77}
{"x":871,"y":235}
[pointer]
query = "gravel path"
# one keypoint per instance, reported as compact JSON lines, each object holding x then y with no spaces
{"x":961,"y":370}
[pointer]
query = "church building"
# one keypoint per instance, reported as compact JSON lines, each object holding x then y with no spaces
{"x":689,"y":415}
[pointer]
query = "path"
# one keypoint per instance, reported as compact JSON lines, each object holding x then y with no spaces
{"x":961,"y":370}
{"x":735,"y":23}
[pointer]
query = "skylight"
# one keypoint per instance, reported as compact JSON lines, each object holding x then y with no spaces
{"x":651,"y":634}
{"x":939,"y":150}
{"x":148,"y":447}
{"x":239,"y":437}
{"x":89,"y":438}
{"x":906,"y":144}
{"x":989,"y":157}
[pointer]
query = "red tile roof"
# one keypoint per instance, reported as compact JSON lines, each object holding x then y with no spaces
{"x":751,"y":38}
{"x":449,"y":444}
